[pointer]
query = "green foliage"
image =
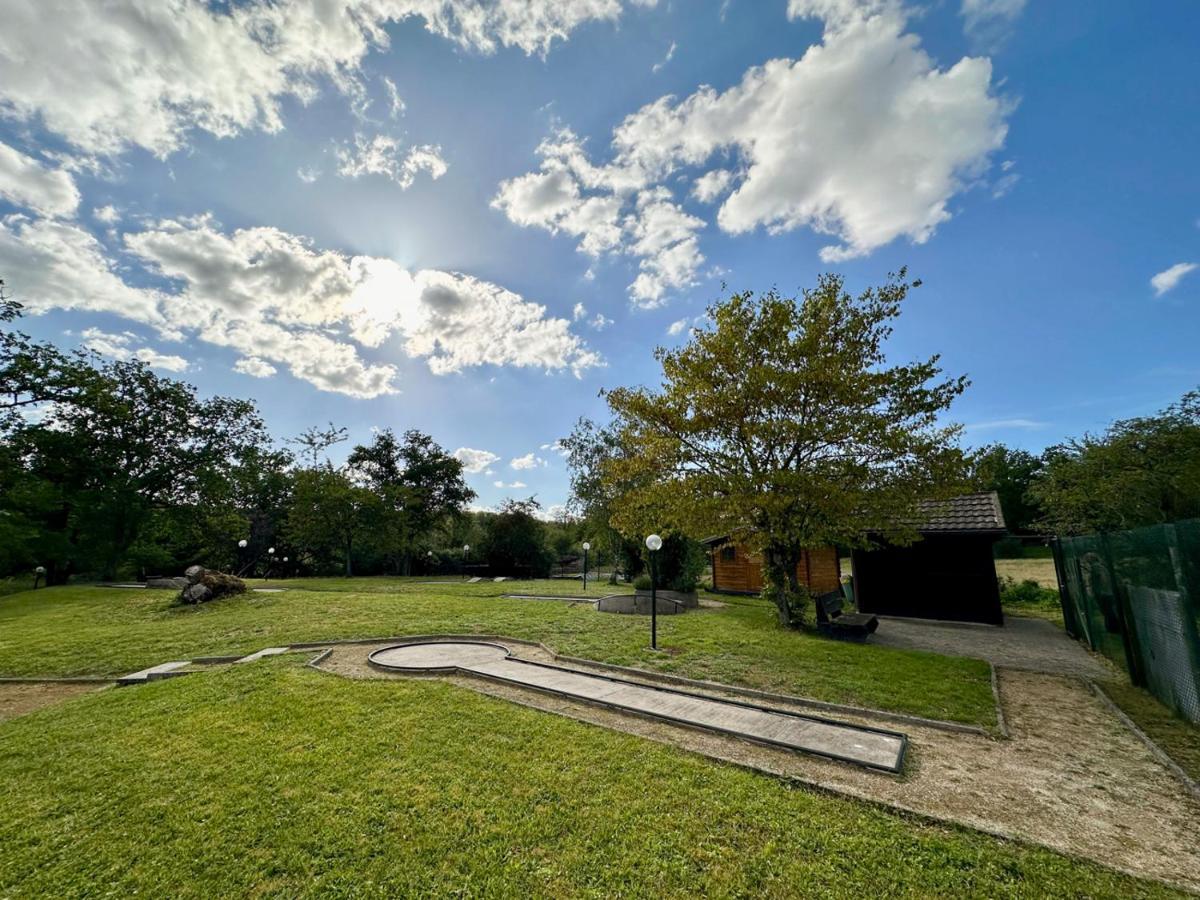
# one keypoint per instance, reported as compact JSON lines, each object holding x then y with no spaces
{"x":1010,"y":473}
{"x":114,"y":447}
{"x":1026,"y":592}
{"x":642,"y":582}
{"x":784,"y":425}
{"x":514,"y":540}
{"x":1142,"y":471}
{"x":680,"y":563}
{"x":327,"y":514}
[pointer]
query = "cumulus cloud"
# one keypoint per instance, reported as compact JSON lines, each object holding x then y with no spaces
{"x":864,"y":138}
{"x":658,"y":66}
{"x":129,"y":73}
{"x":254,"y":367}
{"x":528,"y":461}
{"x":29,"y":183}
{"x":1167,"y":279}
{"x":383,"y":155}
{"x":677,"y":327}
{"x":273,"y":297}
{"x":109,"y":215}
{"x":600,"y":321}
{"x":123,"y":347}
{"x":474,"y":461}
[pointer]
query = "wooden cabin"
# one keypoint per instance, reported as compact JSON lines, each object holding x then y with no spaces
{"x":737,"y":571}
{"x":949,"y":574}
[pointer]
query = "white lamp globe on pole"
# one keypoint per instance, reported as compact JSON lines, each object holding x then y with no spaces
{"x":466,"y":550}
{"x":586,"y":548}
{"x":242,"y":544}
{"x":653,"y":544}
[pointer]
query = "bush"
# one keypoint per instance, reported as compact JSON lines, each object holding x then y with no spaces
{"x":642,"y":583}
{"x":223,"y":585}
{"x":1027,"y":592}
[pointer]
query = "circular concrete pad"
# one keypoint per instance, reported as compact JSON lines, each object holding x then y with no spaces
{"x":438,"y":656}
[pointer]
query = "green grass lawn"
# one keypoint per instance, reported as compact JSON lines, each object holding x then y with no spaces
{"x":107,"y":631}
{"x":1179,"y":738}
{"x":273,"y":780}
{"x":14,"y":584}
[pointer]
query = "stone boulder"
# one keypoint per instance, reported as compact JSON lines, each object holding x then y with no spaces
{"x":203,"y":585}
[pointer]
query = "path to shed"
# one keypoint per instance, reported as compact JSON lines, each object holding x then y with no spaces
{"x":1032,"y":645}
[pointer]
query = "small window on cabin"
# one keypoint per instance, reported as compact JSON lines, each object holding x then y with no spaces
{"x":728,"y":554}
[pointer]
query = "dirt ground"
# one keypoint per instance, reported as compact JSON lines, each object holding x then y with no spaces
{"x":18,"y":699}
{"x":1071,"y":777}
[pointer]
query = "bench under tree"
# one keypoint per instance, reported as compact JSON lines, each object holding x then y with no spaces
{"x":833,"y":622}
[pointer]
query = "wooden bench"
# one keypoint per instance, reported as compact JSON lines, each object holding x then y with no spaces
{"x":832,"y":622}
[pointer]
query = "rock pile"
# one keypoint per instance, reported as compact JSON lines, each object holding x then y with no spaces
{"x":203,"y":585}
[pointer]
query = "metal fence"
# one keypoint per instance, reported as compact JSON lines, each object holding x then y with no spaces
{"x":1135,"y":597}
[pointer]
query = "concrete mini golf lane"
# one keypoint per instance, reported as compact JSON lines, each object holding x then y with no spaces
{"x":874,"y":748}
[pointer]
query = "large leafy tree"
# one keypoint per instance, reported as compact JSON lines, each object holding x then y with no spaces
{"x":329,"y":514}
{"x":418,"y":485}
{"x":784,"y":425}
{"x":1141,"y":471}
{"x":1010,"y":473}
{"x":514,"y":540}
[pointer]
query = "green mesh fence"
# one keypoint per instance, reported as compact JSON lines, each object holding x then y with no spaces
{"x":1135,"y":597}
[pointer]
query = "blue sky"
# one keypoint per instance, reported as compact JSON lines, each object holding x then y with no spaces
{"x":234,"y":193}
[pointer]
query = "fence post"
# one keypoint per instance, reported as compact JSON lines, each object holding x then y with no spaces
{"x":1133,"y":658}
{"x":1070,"y":620}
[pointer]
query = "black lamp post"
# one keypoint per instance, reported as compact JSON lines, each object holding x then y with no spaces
{"x":653,"y":544}
{"x":241,"y":557}
{"x":37,"y":576}
{"x":586,"y":548}
{"x":466,"y":550}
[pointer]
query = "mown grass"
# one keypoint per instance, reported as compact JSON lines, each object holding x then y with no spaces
{"x":1039,"y":570}
{"x":1178,"y":738}
{"x":276,"y":781}
{"x":108,"y":631}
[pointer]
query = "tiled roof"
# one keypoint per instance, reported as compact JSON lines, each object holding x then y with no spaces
{"x":970,"y":512}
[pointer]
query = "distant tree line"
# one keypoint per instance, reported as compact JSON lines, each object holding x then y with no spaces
{"x":109,"y":470}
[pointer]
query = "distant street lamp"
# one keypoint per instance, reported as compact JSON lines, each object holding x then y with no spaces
{"x":586,"y":548}
{"x":653,"y":544}
{"x":37,"y":576}
{"x":466,"y":550}
{"x":241,"y":557}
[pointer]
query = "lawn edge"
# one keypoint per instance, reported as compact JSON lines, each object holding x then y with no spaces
{"x":1158,"y":752}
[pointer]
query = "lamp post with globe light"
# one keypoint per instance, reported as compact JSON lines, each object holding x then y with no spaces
{"x":37,"y":576}
{"x":241,"y":557}
{"x":586,"y":548}
{"x":466,"y":550}
{"x":653,"y":544}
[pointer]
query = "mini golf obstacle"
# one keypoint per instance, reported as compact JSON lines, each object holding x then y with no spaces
{"x":873,"y":748}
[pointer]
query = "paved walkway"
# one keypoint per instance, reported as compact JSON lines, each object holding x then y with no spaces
{"x":1032,"y":645}
{"x":874,"y":748}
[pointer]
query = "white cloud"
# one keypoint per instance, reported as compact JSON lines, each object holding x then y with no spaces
{"x":254,"y":367}
{"x":122,"y":347}
{"x":498,"y":484}
{"x":381,"y":155}
{"x":600,"y":321}
{"x":528,"y":461}
{"x":658,"y":66}
{"x":988,"y":23}
{"x":1013,"y":424}
{"x":1167,"y":279}
{"x":396,"y":104}
{"x":130,"y":73}
{"x":109,"y":215}
{"x":711,"y":185}
{"x":578,"y":312}
{"x":556,"y":446}
{"x":518,"y":484}
{"x":474,"y":461}
{"x":29,"y":183}
{"x":271,"y":295}
{"x":863,"y":138}
{"x":308,"y":174}
{"x":677,"y":327}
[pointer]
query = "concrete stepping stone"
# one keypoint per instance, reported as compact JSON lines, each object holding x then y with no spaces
{"x":873,"y":748}
{"x":154,"y":673}
{"x":269,"y":651}
{"x":474,"y":580}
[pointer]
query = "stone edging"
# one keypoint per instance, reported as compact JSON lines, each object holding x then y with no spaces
{"x":1158,"y":752}
{"x":670,"y":679}
{"x":1000,"y":723}
{"x":81,"y":679}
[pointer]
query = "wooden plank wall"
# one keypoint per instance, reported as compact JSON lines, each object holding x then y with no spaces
{"x":820,"y":569}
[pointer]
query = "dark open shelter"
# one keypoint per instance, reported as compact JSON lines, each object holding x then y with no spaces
{"x":948,"y":574}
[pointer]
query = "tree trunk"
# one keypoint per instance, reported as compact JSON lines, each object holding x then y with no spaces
{"x":775,"y":579}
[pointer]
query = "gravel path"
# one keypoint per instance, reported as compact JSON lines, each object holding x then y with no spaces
{"x":1032,"y":645}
